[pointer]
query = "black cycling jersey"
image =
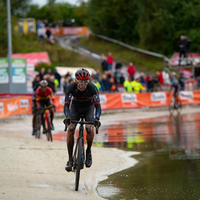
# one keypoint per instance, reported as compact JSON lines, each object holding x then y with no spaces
{"x":87,"y":98}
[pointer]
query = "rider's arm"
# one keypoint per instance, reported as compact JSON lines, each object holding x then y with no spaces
{"x":67,"y":101}
{"x":51,"y":94}
{"x":96,"y":101}
{"x":37,"y":96}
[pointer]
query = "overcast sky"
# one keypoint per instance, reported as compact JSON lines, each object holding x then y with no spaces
{"x":43,"y":2}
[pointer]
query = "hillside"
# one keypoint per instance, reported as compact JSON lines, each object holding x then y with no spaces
{"x":57,"y":55}
{"x":142,"y":62}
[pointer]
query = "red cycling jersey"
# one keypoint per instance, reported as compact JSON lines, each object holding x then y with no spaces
{"x":44,"y":95}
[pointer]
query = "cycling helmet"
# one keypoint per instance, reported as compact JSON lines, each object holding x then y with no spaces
{"x":82,"y":74}
{"x":43,"y":83}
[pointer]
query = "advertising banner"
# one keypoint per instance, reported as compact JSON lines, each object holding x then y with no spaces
{"x":18,"y":71}
{"x":34,"y":58}
{"x":22,"y":105}
{"x":4,"y":76}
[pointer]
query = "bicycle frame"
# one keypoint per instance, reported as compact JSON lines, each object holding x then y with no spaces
{"x":46,"y":116}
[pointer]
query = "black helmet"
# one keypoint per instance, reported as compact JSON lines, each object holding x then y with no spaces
{"x":43,"y":83}
{"x":82,"y":74}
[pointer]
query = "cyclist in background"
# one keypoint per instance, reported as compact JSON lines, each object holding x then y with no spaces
{"x":35,"y":85}
{"x":174,"y":85}
{"x":84,"y":97}
{"x":43,"y":94}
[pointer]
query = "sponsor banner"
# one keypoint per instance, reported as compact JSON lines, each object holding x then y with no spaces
{"x":69,"y":30}
{"x":15,"y":106}
{"x":34,"y":58}
{"x":18,"y":71}
{"x":22,"y":105}
{"x":1,"y":107}
{"x":4,"y":76}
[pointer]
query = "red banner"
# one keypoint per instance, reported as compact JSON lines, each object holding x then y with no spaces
{"x":22,"y":105}
{"x":34,"y":58}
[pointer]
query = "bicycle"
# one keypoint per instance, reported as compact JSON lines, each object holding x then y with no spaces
{"x":79,"y":153}
{"x":175,"y":105}
{"x":48,"y":122}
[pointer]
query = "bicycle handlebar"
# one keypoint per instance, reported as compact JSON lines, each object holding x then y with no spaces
{"x":83,"y":122}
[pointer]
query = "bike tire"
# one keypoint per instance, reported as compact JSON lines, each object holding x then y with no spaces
{"x":49,"y":137}
{"x":38,"y":126}
{"x":78,"y":167}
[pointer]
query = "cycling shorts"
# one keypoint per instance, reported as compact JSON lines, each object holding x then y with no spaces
{"x":45,"y":102}
{"x":87,"y":111}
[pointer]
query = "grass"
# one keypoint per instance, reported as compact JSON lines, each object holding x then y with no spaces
{"x":141,"y":61}
{"x":58,"y":56}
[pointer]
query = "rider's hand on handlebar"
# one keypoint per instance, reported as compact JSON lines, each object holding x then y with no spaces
{"x":67,"y":121}
{"x":97,"y":123}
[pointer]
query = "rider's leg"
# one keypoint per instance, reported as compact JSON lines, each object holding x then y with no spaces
{"x":70,"y":145}
{"x":70,"y":139}
{"x":90,"y":137}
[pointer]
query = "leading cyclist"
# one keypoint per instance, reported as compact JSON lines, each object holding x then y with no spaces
{"x":84,"y":97}
{"x":43,"y":94}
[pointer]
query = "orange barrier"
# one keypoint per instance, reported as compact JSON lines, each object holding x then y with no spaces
{"x":22,"y":105}
{"x":82,"y":30}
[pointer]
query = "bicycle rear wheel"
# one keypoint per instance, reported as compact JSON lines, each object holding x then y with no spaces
{"x":38,"y":126}
{"x":78,"y":166}
{"x":49,"y":135}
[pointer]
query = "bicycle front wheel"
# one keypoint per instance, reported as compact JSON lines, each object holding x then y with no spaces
{"x":49,"y":135}
{"x":179,"y":108}
{"x":78,"y":166}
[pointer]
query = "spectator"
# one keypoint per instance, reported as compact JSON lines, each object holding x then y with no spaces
{"x":36,"y":83}
{"x":56,"y":82}
{"x":96,"y":82}
{"x":66,"y":83}
{"x":122,"y":79}
{"x":46,"y":23}
{"x":137,"y":86}
{"x":51,"y":83}
{"x":157,"y":86}
{"x":110,"y":61}
{"x":150,"y":84}
{"x":113,"y":87}
{"x":104,"y":63}
{"x":105,"y":84}
{"x":181,"y":82}
{"x":97,"y":75}
{"x":41,"y":33}
{"x":142,"y":79}
{"x":118,"y":65}
{"x":50,"y":72}
{"x":49,"y":36}
{"x":182,"y":44}
{"x":117,"y":77}
{"x":198,"y":82}
{"x":131,"y":70}
{"x":128,"y":85}
{"x":160,"y":77}
{"x":38,"y":24}
{"x":42,"y":73}
{"x":57,"y":76}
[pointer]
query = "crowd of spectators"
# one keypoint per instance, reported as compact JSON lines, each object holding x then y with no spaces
{"x":111,"y":80}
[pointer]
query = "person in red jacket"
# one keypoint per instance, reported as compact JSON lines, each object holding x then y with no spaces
{"x":43,"y":95}
{"x":160,"y":77}
{"x":110,"y":60}
{"x":131,"y":71}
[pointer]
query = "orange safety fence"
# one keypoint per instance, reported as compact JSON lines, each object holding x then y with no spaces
{"x":22,"y":104}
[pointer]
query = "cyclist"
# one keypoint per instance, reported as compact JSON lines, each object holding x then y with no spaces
{"x":43,"y":94}
{"x":175,"y":85}
{"x":83,"y":96}
{"x":35,"y":84}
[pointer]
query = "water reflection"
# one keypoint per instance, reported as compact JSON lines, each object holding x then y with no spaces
{"x":169,"y":164}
